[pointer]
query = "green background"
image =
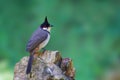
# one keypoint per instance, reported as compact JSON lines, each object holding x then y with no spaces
{"x":88,"y":31}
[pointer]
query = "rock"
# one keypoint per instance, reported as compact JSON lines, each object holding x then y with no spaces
{"x":46,"y":66}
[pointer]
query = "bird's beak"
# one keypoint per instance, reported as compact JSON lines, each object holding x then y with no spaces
{"x":51,"y":25}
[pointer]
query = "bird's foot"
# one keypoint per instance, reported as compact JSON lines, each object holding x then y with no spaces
{"x":36,"y":54}
{"x":43,"y":50}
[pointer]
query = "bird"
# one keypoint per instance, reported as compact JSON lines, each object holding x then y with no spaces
{"x":38,"y":41}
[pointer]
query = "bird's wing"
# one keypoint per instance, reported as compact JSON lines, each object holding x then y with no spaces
{"x":38,"y":37}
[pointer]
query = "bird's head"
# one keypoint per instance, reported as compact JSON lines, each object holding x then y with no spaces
{"x":45,"y":25}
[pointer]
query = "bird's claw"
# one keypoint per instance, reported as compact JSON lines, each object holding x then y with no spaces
{"x":43,"y":50}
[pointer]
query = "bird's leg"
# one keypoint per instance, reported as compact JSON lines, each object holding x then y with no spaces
{"x":43,"y":50}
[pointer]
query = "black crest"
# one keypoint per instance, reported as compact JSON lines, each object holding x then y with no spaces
{"x":45,"y":23}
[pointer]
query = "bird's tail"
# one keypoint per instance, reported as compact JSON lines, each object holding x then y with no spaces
{"x":29,"y":65}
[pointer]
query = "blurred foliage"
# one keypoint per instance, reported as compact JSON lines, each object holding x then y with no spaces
{"x":88,"y":31}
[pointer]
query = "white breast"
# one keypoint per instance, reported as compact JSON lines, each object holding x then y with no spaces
{"x":44,"y":43}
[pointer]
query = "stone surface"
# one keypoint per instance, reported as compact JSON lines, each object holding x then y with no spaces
{"x":46,"y":66}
